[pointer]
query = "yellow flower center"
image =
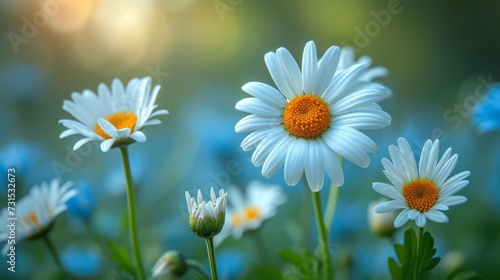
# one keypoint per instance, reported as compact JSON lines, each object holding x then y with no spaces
{"x":251,"y":213}
{"x":306,"y":116}
{"x":31,"y":217}
{"x":119,"y":120}
{"x":235,"y":220}
{"x":420,"y":194}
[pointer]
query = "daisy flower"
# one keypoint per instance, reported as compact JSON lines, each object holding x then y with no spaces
{"x":487,"y":113}
{"x":315,"y":117}
{"x":423,"y":192}
{"x":36,"y":212}
{"x":114,"y":116}
{"x":248,"y":213}
{"x":348,"y":59}
{"x":207,"y":218}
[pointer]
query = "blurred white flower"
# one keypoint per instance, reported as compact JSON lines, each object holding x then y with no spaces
{"x":348,"y":59}
{"x":380,"y":223}
{"x":36,"y":212}
{"x":248,"y":213}
{"x":114,"y":116}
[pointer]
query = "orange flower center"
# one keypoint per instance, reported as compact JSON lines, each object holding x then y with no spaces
{"x":421,"y":194}
{"x":119,"y":120}
{"x":251,"y":213}
{"x":306,"y":116}
{"x":31,"y":218}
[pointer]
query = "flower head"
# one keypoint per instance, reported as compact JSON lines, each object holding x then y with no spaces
{"x":36,"y":212}
{"x":423,"y":192}
{"x":169,"y":266}
{"x":348,"y":59}
{"x":315,"y":117}
{"x":206,"y":219}
{"x":248,"y":213}
{"x":380,"y":223}
{"x":487,"y":113}
{"x":114,"y":116}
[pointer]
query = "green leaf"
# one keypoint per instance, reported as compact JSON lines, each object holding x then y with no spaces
{"x":291,"y":257}
{"x":415,"y":256}
{"x":119,"y":254}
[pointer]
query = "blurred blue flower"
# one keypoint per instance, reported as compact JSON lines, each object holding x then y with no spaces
{"x":82,"y":205}
{"x":25,"y":158}
{"x":21,"y":81}
{"x":83,"y":262}
{"x":230,"y":264}
{"x":487,"y":113}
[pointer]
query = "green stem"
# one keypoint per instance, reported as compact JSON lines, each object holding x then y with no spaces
{"x":306,"y":214}
{"x":198,"y":267}
{"x":322,"y":235}
{"x":131,"y":212}
{"x":418,"y":268}
{"x":331,"y":205}
{"x":261,"y":247}
{"x":52,"y":250}
{"x":211,"y":257}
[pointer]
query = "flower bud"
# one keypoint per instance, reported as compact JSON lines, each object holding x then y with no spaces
{"x":206,"y":218}
{"x":169,"y":266}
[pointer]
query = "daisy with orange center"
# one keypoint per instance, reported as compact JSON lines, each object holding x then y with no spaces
{"x":36,"y":212}
{"x":424,"y":192}
{"x":315,"y":117}
{"x":246,"y":213}
{"x":114,"y":116}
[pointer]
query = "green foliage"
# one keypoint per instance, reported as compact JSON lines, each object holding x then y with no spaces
{"x":120,"y":255}
{"x":463,"y":273}
{"x":415,"y":255}
{"x":304,"y":267}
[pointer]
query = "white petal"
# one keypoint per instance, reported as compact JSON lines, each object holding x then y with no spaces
{"x":388,"y":190}
{"x":401,"y":219}
{"x":291,"y":70}
{"x":108,"y":127}
{"x":350,"y":144}
{"x":314,"y":167}
{"x":277,"y":157}
{"x":294,"y":161}
{"x":436,"y":216}
{"x":266,"y":146}
{"x":413,"y":214}
{"x":310,"y":68}
{"x":332,"y":165}
{"x":151,"y":122}
{"x":253,"y":105}
{"x":453,"y":200}
{"x":266,"y":93}
{"x":341,"y":81}
{"x":390,"y":206}
{"x":138,"y":136}
{"x":421,"y":220}
{"x":326,"y":69}
{"x":81,"y":142}
{"x":106,"y":144}
{"x":276,"y":71}
{"x":254,"y":122}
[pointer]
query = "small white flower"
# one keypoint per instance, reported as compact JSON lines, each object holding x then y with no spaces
{"x":206,"y":218}
{"x":248,"y":213}
{"x":422,"y":193}
{"x":36,"y":212}
{"x":348,"y":59}
{"x":114,"y":116}
{"x":315,"y":117}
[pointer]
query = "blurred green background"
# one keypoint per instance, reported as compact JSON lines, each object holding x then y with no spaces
{"x":441,"y":57}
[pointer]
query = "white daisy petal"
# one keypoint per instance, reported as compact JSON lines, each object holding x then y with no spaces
{"x":256,"y":106}
{"x":81,"y":142}
{"x":138,"y":136}
{"x":453,"y":200}
{"x":107,"y":144}
{"x":310,"y":68}
{"x":290,"y":70}
{"x":401,"y":219}
{"x":276,"y":71}
{"x":436,"y":216}
{"x":421,"y":220}
{"x":326,"y":69}
{"x":276,"y":157}
{"x":265,"y":93}
{"x":294,"y":161}
{"x":314,"y":168}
